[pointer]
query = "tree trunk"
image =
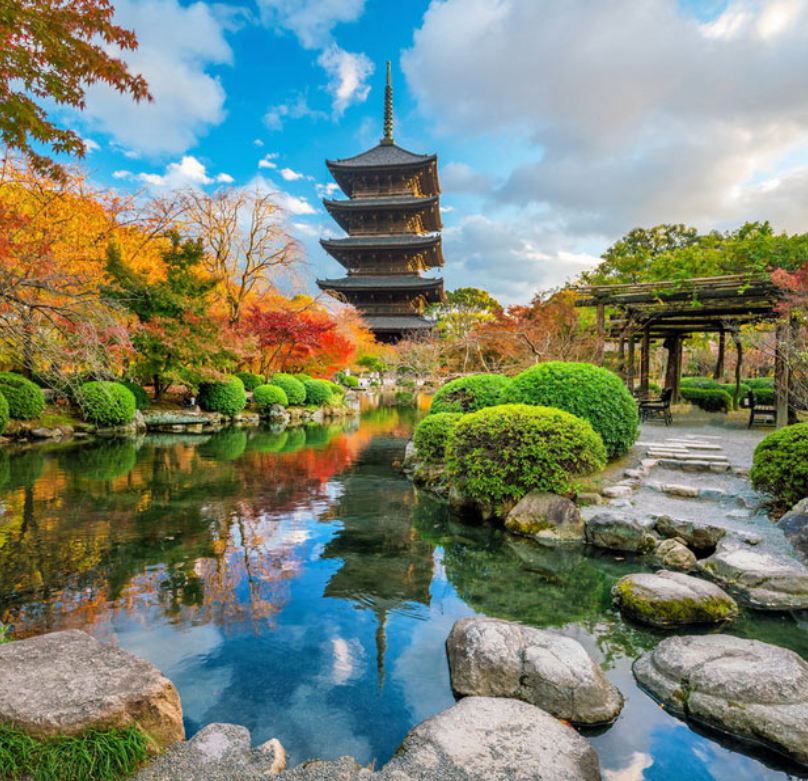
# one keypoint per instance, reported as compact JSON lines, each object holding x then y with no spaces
{"x":718,"y":374}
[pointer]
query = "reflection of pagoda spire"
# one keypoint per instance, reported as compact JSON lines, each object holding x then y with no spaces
{"x":381,"y":643}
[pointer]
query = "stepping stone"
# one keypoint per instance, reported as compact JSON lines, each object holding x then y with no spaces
{"x":673,"y":489}
{"x":675,"y":555}
{"x":697,"y":534}
{"x":617,"y":491}
{"x":670,"y":599}
{"x":618,"y":532}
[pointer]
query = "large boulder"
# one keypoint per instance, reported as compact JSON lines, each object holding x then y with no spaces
{"x":67,"y":682}
{"x":489,"y":739}
{"x":669,"y":599}
{"x":493,"y":658}
{"x":794,"y":525}
{"x":746,"y":688}
{"x":546,"y":517}
{"x":763,"y":579}
{"x":606,"y":529}
{"x":698,"y":535}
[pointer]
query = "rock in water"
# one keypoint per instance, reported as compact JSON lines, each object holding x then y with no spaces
{"x":746,"y":688}
{"x":546,"y":516}
{"x":487,"y":739}
{"x":64,"y":683}
{"x":672,"y":599}
{"x":493,"y":658}
{"x":698,"y":535}
{"x":764,"y":579}
{"x":676,"y":555}
{"x":619,"y":532}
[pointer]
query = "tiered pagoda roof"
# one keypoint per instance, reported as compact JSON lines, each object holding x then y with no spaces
{"x":392,"y":218}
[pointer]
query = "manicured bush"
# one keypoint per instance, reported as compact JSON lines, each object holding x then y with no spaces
{"x":266,"y":396}
{"x":25,"y":399}
{"x":760,"y":383}
{"x":336,"y":390}
{"x":764,"y":396}
{"x":432,"y":435}
{"x":292,"y":387}
{"x":226,"y":398}
{"x":468,"y":394}
{"x":302,"y":377}
{"x":142,"y":400}
{"x":317,"y":392}
{"x":780,"y":464}
{"x":106,"y":403}
{"x":251,"y":381}
{"x":704,"y":383}
{"x":729,"y":387}
{"x":501,"y":453}
{"x":708,"y":399}
{"x":4,"y":416}
{"x":591,"y":393}
{"x":349,"y":381}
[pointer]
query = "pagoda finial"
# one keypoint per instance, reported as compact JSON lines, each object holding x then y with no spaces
{"x":388,"y":109}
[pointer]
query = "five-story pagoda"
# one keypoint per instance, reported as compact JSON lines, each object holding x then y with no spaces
{"x":392,"y":218}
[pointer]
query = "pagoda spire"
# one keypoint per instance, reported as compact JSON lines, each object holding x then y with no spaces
{"x":388,"y":109}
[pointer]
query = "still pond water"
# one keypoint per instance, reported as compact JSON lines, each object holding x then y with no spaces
{"x":295,"y":583}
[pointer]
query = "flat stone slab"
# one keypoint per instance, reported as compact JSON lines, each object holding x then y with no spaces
{"x":64,"y":683}
{"x":763,"y":579}
{"x":670,"y":599}
{"x":752,"y":690}
{"x":698,"y":535}
{"x":489,"y":657}
{"x":157,"y":418}
{"x":605,"y":529}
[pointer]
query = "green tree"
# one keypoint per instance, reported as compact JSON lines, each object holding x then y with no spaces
{"x":463,"y":309}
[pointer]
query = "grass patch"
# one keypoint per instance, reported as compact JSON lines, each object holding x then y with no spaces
{"x":91,"y":756}
{"x":4,"y":638}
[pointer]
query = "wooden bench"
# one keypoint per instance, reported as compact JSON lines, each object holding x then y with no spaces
{"x":660,"y":407}
{"x":766,"y":414}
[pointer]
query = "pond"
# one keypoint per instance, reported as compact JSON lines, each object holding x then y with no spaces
{"x":295,"y":583}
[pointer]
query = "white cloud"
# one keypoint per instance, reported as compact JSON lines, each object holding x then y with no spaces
{"x":328,"y":190}
{"x":225,"y":178}
{"x":189,"y":172}
{"x":289,"y":175}
{"x":311,"y":21}
{"x":258,"y":142}
{"x":122,"y":174}
{"x":462,"y":178}
{"x":634,"y":771}
{"x":347,"y":76}
{"x":267,"y":161}
{"x":176,"y":46}
{"x":90,"y":145}
{"x":293,"y":204}
{"x":294,"y":109}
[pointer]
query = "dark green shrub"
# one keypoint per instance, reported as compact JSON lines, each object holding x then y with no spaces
{"x":25,"y":400}
{"x":760,"y":383}
{"x":226,"y":398}
{"x":349,"y":381}
{"x":468,"y":394}
{"x":302,"y":377}
{"x":225,"y":445}
{"x":336,"y":390}
{"x":266,"y":396}
{"x":251,"y":381}
{"x":501,"y":453}
{"x":764,"y":396}
{"x":708,"y":399}
{"x":4,"y":416}
{"x":704,"y":383}
{"x":106,"y":403}
{"x":743,"y":391}
{"x":591,"y":393}
{"x":292,"y":387}
{"x":432,"y":435}
{"x":318,"y":392}
{"x":142,"y":400}
{"x":780,"y":464}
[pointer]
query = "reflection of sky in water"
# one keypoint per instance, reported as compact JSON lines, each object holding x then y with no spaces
{"x":307,"y":593}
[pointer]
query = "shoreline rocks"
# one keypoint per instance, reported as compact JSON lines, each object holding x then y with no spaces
{"x":546,"y":517}
{"x":607,"y":529}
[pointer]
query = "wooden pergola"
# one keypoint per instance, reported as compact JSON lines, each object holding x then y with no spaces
{"x":671,"y":311}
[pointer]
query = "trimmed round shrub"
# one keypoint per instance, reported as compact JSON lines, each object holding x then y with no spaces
{"x":501,"y":453}
{"x":142,"y":400}
{"x":106,"y":403}
{"x":760,"y":383}
{"x":708,"y":399}
{"x":594,"y":394}
{"x":292,"y":387}
{"x":302,"y":377}
{"x":4,"y":416}
{"x":226,"y":398}
{"x":349,"y":381}
{"x":336,"y":390}
{"x":317,"y":392}
{"x":251,"y":381}
{"x":468,"y":394}
{"x":432,"y":435}
{"x":705,"y":383}
{"x":764,"y":396}
{"x":266,"y":396}
{"x":780,"y":464}
{"x":25,"y":399}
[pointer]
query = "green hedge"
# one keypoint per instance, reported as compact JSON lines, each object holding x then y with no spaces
{"x":502,"y":453}
{"x":25,"y":399}
{"x":292,"y":387}
{"x":302,"y":377}
{"x":4,"y":416}
{"x":780,"y":464}
{"x":267,"y":396}
{"x":704,"y":383}
{"x":468,"y":394}
{"x":594,"y":394}
{"x":708,"y":399}
{"x":318,"y":392}
{"x":349,"y":381}
{"x":336,"y":390}
{"x":764,"y":396}
{"x":250,"y":380}
{"x":432,"y":435}
{"x":226,"y":398}
{"x":142,"y":400}
{"x":106,"y":403}
{"x":760,"y":383}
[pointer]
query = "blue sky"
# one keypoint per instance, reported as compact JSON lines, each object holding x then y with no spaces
{"x":559,"y":126}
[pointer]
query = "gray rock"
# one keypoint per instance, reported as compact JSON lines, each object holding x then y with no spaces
{"x":64,"y":683}
{"x":488,"y":739}
{"x":794,"y":525}
{"x":763,"y":579}
{"x":620,"y":532}
{"x":410,"y":456}
{"x":343,"y":769}
{"x":586,"y":498}
{"x":746,"y":688}
{"x":46,"y":433}
{"x":547,"y":517}
{"x":698,"y":535}
{"x":157,"y":419}
{"x":617,"y":491}
{"x":669,"y":599}
{"x":675,"y":489}
{"x":493,"y":658}
{"x":278,"y":415}
{"x":676,"y":555}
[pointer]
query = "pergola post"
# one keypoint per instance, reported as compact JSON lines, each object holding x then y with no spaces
{"x":645,"y":359}
{"x":631,"y":364}
{"x":677,"y":367}
{"x":601,"y":334}
{"x":621,"y":357}
{"x":781,"y":372}
{"x":718,"y":374}
{"x":736,"y":337}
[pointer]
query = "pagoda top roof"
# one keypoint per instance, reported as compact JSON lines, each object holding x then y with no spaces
{"x":385,"y":154}
{"x":389,"y":282}
{"x":398,"y":323}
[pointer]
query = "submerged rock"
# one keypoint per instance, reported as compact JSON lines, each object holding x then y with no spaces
{"x":698,"y":535}
{"x":620,"y":532}
{"x":546,"y":517}
{"x":64,"y":683}
{"x":746,"y":688}
{"x":493,"y":658}
{"x":674,"y":554}
{"x":669,"y":599}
